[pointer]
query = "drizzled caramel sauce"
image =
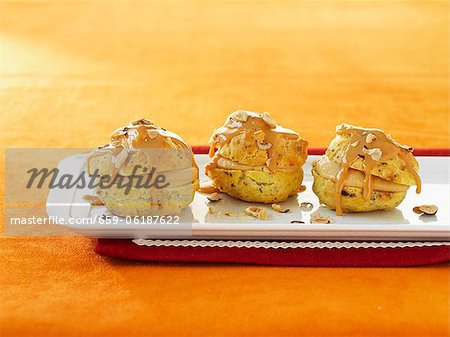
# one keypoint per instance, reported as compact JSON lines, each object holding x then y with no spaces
{"x":373,"y":146}
{"x":248,"y":123}
{"x":141,"y":135}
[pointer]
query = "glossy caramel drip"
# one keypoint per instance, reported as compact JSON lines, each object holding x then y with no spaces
{"x":248,"y":123}
{"x":373,"y":146}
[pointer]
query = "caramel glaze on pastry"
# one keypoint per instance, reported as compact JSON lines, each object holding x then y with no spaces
{"x":255,"y":159}
{"x":139,"y":134}
{"x":248,"y":123}
{"x":365,"y":160}
{"x":135,"y":150}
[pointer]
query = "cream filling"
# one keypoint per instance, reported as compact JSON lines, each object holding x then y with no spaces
{"x":329,"y":169}
{"x":227,"y":164}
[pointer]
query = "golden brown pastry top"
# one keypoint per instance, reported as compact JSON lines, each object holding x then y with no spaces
{"x":373,"y":152}
{"x":143,"y":133}
{"x":142,"y":144}
{"x":250,"y":140}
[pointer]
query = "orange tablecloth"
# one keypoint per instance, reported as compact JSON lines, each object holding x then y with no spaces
{"x":71,"y":72}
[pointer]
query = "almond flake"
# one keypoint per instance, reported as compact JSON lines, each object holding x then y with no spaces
{"x":234,"y":124}
{"x":306,"y":206}
{"x":241,"y":137}
{"x":323,"y":219}
{"x":370,"y":138}
{"x":426,"y":209}
{"x":277,"y":208}
{"x":152,"y":134}
{"x":222,"y":138}
{"x":214,"y":197}
{"x":256,"y":212}
{"x":212,"y":209}
{"x":240,"y":116}
{"x":355,"y":144}
{"x":374,"y":153}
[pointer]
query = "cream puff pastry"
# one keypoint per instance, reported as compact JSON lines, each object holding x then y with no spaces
{"x":150,"y":171}
{"x":254,"y":159}
{"x":364,"y":170}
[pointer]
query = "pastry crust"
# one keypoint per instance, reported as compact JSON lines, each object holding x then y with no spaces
{"x":256,"y":159}
{"x":139,"y":162}
{"x":144,"y":202}
{"x":136,"y":156}
{"x":257,"y":186}
{"x":352,"y":197}
{"x":389,"y":169}
{"x":364,"y":170}
{"x":243,"y":149}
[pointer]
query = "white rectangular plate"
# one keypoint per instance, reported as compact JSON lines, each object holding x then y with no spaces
{"x":397,"y":224}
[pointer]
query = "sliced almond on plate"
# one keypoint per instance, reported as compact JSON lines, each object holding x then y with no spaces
{"x":306,"y":206}
{"x":214,"y":197}
{"x":277,"y":208}
{"x":426,"y":209}
{"x":319,"y":218}
{"x":256,"y":212}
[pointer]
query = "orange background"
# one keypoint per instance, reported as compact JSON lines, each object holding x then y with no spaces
{"x":71,"y":72}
